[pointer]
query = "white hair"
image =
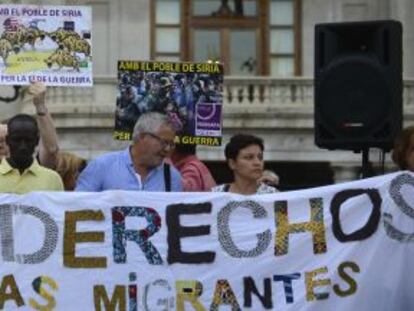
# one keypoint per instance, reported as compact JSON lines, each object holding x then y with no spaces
{"x":150,"y":122}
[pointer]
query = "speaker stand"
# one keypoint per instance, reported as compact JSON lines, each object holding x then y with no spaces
{"x":366,"y":167}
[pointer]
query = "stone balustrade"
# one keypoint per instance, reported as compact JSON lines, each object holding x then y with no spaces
{"x":238,"y":92}
{"x":251,"y":102}
{"x":265,"y":91}
{"x":279,"y":110}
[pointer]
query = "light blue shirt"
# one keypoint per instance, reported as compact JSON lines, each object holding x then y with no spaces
{"x":115,"y":170}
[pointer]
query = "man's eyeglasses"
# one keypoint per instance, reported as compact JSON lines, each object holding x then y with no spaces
{"x":164,"y":143}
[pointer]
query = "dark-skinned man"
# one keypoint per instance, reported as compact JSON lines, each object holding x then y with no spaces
{"x":20,"y":172}
{"x":48,"y":145}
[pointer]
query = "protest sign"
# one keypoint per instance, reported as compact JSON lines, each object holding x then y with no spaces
{"x":190,"y":94}
{"x":50,"y":44}
{"x":342,"y":247}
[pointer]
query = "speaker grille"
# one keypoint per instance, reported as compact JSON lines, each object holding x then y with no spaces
{"x":358,"y":84}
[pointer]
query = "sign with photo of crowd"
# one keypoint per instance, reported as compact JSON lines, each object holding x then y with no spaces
{"x":190,"y":94}
{"x":49,"y":44}
{"x":342,"y":247}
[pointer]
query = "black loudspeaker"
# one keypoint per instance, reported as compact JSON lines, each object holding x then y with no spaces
{"x":358,"y":84}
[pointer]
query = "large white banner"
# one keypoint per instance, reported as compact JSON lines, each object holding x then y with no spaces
{"x":342,"y":247}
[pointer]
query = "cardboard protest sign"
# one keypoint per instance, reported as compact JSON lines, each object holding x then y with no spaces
{"x":51,"y":44}
{"x":190,"y":94}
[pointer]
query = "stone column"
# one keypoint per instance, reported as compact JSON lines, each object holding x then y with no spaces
{"x":403,"y":11}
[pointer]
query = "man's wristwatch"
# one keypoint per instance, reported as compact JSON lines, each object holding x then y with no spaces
{"x":41,"y":113}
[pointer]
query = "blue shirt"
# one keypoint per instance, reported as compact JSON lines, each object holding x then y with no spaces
{"x":115,"y":170}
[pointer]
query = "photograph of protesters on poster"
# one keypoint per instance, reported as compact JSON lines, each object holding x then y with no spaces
{"x":192,"y":99}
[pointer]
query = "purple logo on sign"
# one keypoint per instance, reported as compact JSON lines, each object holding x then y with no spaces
{"x":209,"y":116}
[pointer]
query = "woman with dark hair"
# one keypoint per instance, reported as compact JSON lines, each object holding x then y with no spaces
{"x":244,"y":155}
{"x":403,"y":153}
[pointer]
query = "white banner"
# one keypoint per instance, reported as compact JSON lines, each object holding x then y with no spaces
{"x":341,"y":247}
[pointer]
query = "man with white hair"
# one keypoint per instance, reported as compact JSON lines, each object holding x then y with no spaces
{"x":139,"y":167}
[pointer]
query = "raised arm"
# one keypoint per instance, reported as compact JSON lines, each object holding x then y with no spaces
{"x":49,"y":147}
